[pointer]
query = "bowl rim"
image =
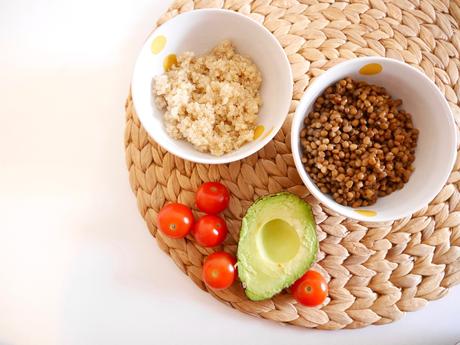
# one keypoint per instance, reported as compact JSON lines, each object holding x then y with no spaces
{"x":217,"y":159}
{"x":331,"y":204}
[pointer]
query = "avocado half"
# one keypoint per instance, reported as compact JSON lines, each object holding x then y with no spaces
{"x":277,"y":244}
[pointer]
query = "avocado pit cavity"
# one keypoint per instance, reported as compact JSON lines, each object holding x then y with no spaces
{"x":278,"y":241}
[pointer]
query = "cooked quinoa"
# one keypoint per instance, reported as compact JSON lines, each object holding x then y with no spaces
{"x":212,"y":101}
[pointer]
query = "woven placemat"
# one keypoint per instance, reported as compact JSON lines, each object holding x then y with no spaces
{"x":376,"y":272}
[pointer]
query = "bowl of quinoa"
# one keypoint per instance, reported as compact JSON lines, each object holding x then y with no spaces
{"x":212,"y":86}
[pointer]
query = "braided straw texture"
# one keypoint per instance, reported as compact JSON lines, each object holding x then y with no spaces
{"x":376,"y":272}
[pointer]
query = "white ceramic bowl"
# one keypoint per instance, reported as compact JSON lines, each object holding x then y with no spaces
{"x":199,"y":31}
{"x":436,"y":148}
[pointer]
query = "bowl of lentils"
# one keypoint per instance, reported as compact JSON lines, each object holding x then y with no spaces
{"x":374,"y":139}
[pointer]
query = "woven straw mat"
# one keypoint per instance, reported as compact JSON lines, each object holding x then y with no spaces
{"x":376,"y":272}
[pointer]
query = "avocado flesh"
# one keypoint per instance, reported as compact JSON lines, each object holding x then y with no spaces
{"x":277,"y":244}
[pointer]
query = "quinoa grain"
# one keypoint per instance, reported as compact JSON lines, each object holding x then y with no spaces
{"x":212,"y":101}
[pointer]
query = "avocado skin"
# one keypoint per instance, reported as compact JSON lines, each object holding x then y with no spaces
{"x":251,"y":263}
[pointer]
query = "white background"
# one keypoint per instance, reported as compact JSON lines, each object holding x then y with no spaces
{"x":77,"y":264}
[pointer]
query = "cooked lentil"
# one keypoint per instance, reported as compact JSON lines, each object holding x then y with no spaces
{"x":357,"y":143}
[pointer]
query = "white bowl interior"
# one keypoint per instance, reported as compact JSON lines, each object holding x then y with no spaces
{"x":436,"y":147}
{"x":199,"y":31}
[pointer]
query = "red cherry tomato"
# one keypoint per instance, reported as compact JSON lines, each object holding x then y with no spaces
{"x":212,"y":197}
{"x":219,"y":270}
{"x":210,"y":231}
{"x":175,"y":220}
{"x":310,"y":290}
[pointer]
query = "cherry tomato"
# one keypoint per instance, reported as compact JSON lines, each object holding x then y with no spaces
{"x":311,"y":289}
{"x":210,"y":231}
{"x":219,"y":270}
{"x":212,"y":197}
{"x":175,"y":220}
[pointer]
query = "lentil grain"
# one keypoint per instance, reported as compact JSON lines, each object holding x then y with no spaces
{"x":358,"y":144}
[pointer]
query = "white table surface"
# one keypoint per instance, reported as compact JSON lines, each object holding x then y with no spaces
{"x":77,"y":264}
